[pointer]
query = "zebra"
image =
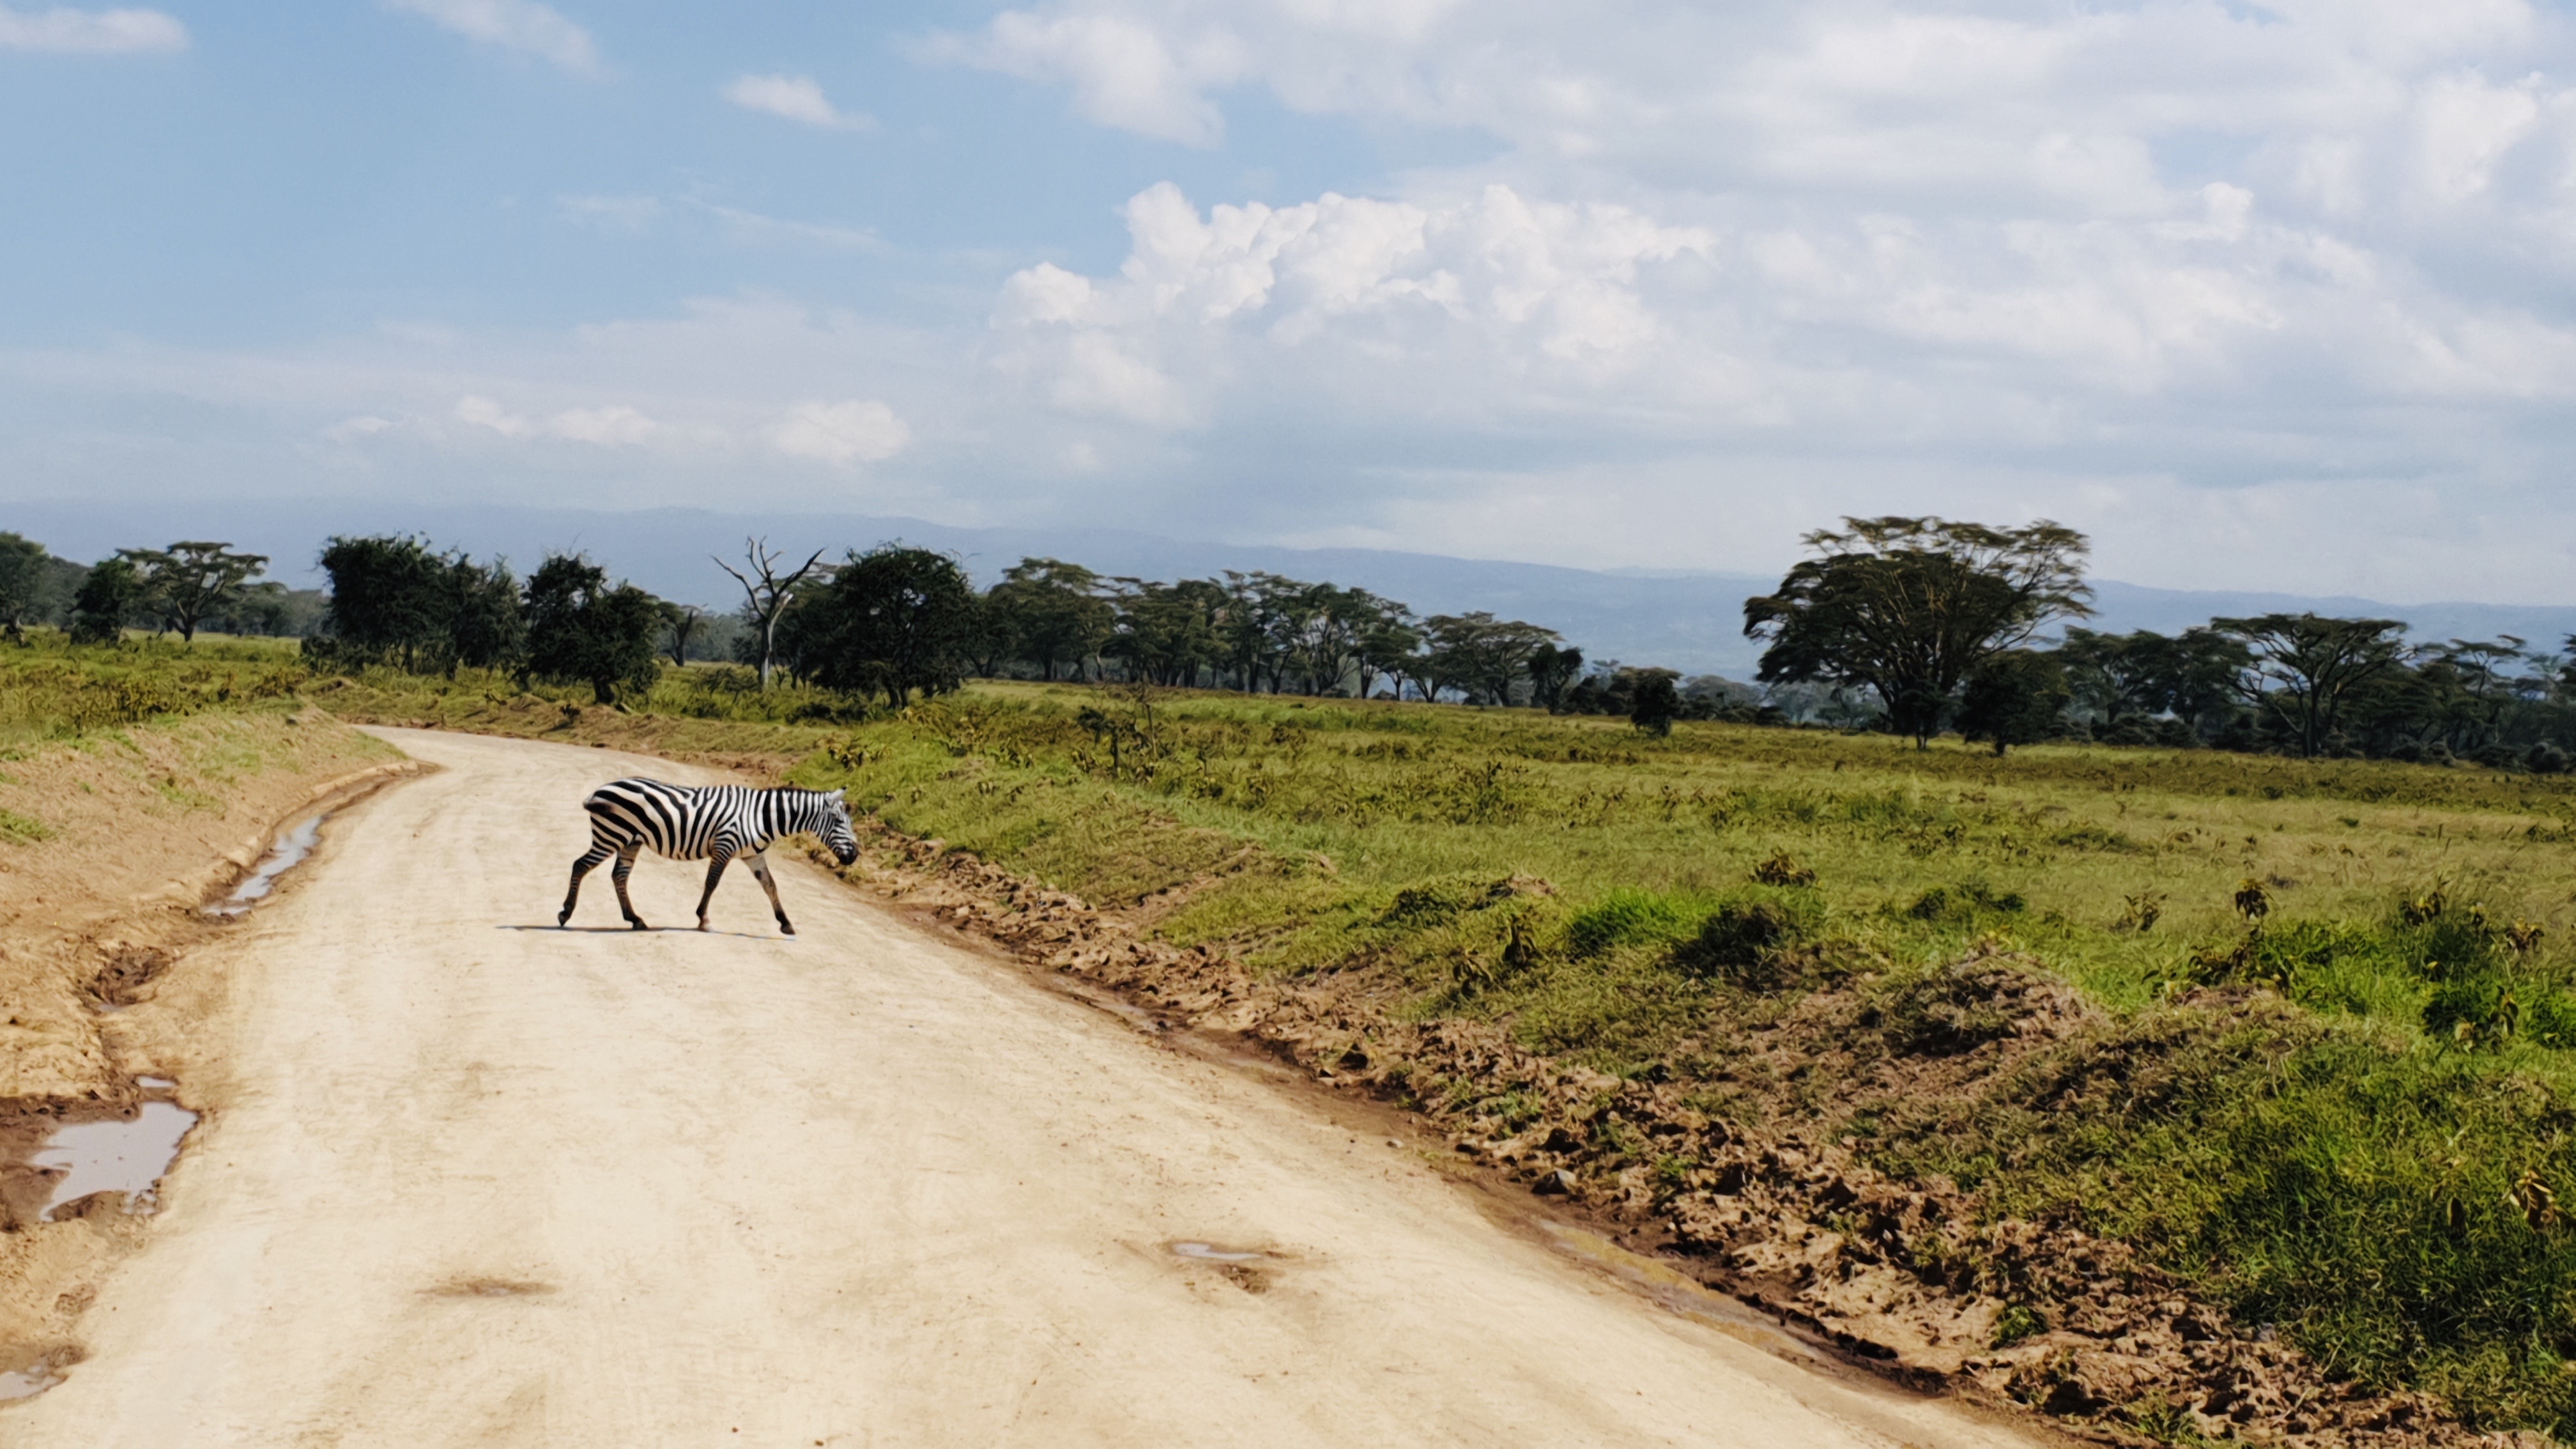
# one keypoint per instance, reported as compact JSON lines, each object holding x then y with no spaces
{"x":713,"y":823}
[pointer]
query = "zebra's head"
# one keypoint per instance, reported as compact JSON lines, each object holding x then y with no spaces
{"x":835,"y":828}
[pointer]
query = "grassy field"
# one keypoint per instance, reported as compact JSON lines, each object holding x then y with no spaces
{"x":2332,"y":1058}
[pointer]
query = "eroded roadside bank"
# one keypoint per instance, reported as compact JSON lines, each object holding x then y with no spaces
{"x":117,"y":841}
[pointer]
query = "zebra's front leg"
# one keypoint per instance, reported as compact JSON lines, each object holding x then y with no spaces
{"x":590,"y":861}
{"x":715,"y":872}
{"x":625,"y":868}
{"x":760,"y":870}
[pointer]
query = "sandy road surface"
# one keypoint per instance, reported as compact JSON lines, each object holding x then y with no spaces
{"x":468,"y":1183}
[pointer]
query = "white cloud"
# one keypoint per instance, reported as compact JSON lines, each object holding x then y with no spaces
{"x":796,"y":97}
{"x":350,"y":429}
{"x":92,"y":32}
{"x":483,"y":412}
{"x":1124,"y":73}
{"x":521,"y":25}
{"x":608,"y":427}
{"x":1497,"y":280}
{"x":615,"y":425}
{"x":613,"y":213}
{"x":863,"y":431}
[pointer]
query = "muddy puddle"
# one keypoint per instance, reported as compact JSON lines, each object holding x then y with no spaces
{"x":27,"y":1383}
{"x":289,"y":851}
{"x":1217,"y":1253}
{"x":127,"y":1157}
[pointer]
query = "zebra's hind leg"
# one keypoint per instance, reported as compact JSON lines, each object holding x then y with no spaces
{"x":590,"y":861}
{"x":625,"y":868}
{"x":760,"y":870}
{"x":715,"y":872}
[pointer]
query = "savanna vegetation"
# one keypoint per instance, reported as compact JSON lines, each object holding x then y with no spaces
{"x":2332,"y":1067}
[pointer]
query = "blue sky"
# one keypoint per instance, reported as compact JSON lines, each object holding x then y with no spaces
{"x":2261,"y":296}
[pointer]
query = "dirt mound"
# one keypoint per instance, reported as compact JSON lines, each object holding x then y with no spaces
{"x":1907,"y":1274}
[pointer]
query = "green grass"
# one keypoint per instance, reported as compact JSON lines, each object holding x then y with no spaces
{"x":2368,"y":1162}
{"x":2349,"y":1116}
{"x":51,"y":689}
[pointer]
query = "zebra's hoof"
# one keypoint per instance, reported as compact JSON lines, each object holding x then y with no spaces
{"x":785,"y":929}
{"x":637,"y":922}
{"x":563,"y":917}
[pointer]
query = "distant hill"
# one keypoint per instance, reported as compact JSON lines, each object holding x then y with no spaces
{"x":1687,"y":621}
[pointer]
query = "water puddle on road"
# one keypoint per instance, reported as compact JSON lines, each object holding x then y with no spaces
{"x":114,"y":1156}
{"x":27,"y":1383}
{"x":290,"y":850}
{"x":1213,"y":1253}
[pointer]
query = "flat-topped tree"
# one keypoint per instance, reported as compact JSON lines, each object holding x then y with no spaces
{"x":2303,"y":667}
{"x":188,"y":581}
{"x":1911,"y":607}
{"x":768,"y":595}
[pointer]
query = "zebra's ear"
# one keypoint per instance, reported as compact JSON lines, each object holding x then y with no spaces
{"x":839,"y":795}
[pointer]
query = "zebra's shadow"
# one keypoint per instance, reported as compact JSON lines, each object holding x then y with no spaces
{"x":649,"y":931}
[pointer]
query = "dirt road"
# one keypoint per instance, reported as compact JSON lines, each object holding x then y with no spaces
{"x":469,"y":1180}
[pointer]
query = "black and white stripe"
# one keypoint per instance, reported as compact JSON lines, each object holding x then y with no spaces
{"x":713,"y":823}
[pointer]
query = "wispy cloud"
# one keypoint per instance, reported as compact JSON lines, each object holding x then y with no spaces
{"x":616,"y":213}
{"x":613,"y":426}
{"x":796,"y":97}
{"x":521,"y":25}
{"x":91,"y":32}
{"x":860,"y":431}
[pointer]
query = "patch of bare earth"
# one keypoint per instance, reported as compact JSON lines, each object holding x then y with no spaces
{"x":115,"y":843}
{"x":1907,"y":1275}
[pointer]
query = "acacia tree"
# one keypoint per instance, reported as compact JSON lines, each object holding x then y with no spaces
{"x":1168,"y":632}
{"x":1552,"y":673}
{"x":1910,"y":607}
{"x":894,"y":618}
{"x":582,"y":628}
{"x":2303,"y":667}
{"x":188,"y":581}
{"x":768,"y":596}
{"x":1053,"y":611}
{"x":1391,"y":646}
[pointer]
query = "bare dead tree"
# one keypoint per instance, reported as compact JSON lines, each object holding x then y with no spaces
{"x":769,"y":594}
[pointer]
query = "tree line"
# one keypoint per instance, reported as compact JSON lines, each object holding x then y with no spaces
{"x":179,"y":589}
{"x":1936,"y":625}
{"x":1916,"y":626}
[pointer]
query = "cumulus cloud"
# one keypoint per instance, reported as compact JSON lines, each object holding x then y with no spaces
{"x":1243,"y":290}
{"x":860,"y":431}
{"x":524,"y":26}
{"x":91,"y":32}
{"x":796,"y":97}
